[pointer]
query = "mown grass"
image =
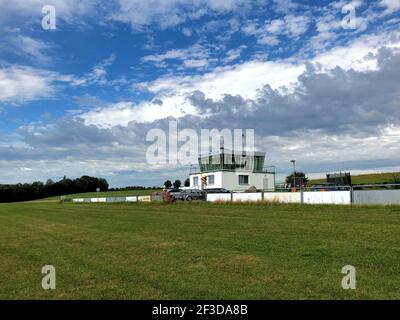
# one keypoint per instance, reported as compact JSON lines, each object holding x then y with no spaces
{"x":198,"y":251}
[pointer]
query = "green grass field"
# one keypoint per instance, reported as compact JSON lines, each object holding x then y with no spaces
{"x":198,"y":251}
{"x":370,"y":178}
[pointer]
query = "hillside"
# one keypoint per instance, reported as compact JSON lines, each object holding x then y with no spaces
{"x":371,"y":178}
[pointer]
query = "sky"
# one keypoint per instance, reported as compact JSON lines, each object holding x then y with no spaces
{"x":318,"y":81}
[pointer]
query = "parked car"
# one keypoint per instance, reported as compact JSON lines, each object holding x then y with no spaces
{"x":217,"y":190}
{"x":173,"y":194}
{"x":194,"y":194}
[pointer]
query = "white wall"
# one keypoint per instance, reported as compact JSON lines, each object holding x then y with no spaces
{"x":219,"y":197}
{"x":284,"y":197}
{"x":328,"y":197}
{"x":380,"y":197}
{"x":247,"y":196}
{"x":230,"y":180}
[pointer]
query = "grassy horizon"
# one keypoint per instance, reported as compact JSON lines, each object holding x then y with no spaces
{"x":198,"y":251}
{"x":369,"y":178}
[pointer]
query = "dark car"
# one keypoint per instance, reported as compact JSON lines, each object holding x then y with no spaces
{"x":217,"y":190}
{"x":194,"y":194}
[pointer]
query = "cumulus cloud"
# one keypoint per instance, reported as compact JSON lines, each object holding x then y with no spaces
{"x":244,"y":80}
{"x":340,"y":113}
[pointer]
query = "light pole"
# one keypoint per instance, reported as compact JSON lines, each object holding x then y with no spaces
{"x":294,"y":172}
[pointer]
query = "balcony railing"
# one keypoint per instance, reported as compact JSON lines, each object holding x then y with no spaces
{"x":265,"y":169}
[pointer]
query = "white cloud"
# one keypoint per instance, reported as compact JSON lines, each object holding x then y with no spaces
{"x":123,"y":113}
{"x":19,"y":84}
{"x":192,"y":57}
{"x":390,"y":5}
{"x":244,"y":80}
{"x":359,"y":55}
{"x":35,"y":49}
{"x":98,"y":73}
{"x":290,"y":25}
{"x":187,"y":32}
{"x":166,"y":14}
{"x":296,"y":25}
{"x":191,"y":63}
{"x":234,"y":54}
{"x":268,"y":40}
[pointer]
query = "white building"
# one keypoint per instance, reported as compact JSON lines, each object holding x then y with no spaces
{"x":233,"y":171}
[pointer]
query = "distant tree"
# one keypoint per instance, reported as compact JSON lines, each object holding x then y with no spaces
{"x":177,"y":184}
{"x":301,"y":179}
{"x":187,"y":182}
{"x":37,"y":190}
{"x":168,"y":184}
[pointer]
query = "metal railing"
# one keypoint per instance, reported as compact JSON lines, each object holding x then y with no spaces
{"x":265,"y":169}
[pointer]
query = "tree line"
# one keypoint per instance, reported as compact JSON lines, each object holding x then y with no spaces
{"x":38,"y":190}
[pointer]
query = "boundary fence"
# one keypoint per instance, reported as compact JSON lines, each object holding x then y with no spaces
{"x":357,"y":194}
{"x":347,"y":195}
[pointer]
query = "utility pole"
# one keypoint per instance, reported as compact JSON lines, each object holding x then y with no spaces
{"x":294,"y":173}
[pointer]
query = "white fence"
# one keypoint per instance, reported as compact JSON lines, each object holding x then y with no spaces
{"x":383,"y":197}
{"x":247,"y":196}
{"x":367,"y":197}
{"x":283,"y":197}
{"x":327,"y":197}
{"x":106,"y":200}
{"x":219,"y":197}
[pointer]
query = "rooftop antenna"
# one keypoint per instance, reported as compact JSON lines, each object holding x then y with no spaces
{"x":221,"y":143}
{"x":221,"y":150}
{"x":243,"y":145}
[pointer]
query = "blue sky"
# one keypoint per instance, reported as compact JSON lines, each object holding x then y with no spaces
{"x":79,"y":99}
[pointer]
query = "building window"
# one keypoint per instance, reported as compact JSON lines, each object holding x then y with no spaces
{"x":243,"y":180}
{"x":195,"y":181}
{"x":210,"y":180}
